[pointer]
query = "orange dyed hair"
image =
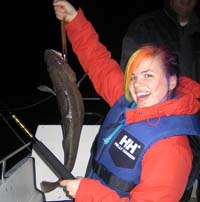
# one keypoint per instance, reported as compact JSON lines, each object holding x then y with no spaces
{"x":133,"y":62}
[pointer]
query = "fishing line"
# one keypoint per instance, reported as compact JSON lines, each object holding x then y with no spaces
{"x":26,"y":107}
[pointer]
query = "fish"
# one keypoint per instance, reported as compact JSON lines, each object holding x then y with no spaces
{"x":69,"y":101}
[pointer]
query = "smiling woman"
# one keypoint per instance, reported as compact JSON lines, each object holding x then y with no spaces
{"x":143,"y":136}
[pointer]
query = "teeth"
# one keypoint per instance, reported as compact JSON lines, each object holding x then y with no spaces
{"x":142,"y":94}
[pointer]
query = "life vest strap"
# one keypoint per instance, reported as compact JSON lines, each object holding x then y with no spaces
{"x":110,"y":179}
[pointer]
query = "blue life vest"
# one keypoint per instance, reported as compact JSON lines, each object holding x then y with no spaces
{"x":120,"y":147}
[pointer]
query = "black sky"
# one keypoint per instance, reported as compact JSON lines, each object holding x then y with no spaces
{"x":30,"y":27}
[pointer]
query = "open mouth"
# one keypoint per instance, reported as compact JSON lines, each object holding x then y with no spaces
{"x":142,"y":94}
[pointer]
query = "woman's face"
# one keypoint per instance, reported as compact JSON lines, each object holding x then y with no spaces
{"x":149,"y":84}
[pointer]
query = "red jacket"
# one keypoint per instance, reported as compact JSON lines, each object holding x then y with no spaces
{"x":164,"y":182}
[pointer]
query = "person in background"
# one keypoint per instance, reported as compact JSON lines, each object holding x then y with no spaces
{"x":177,"y":26}
{"x":142,"y":151}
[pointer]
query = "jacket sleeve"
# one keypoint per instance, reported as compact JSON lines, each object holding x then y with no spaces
{"x":104,"y":72}
{"x":165,"y":170}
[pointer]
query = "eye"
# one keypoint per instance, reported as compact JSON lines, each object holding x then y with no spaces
{"x":148,"y":75}
{"x":133,"y":78}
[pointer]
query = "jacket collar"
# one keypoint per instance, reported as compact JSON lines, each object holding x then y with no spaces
{"x":187,"y":103}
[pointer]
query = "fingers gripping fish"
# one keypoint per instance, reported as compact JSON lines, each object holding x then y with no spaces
{"x":70,"y":103}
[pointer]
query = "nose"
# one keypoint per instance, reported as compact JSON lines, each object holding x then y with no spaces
{"x":138,"y":82}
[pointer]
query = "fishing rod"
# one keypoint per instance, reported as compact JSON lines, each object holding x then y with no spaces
{"x":45,"y":154}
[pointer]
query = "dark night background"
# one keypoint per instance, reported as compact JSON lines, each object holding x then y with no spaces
{"x":30,"y":27}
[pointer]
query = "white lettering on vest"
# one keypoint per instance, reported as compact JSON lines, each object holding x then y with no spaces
{"x":129,"y":144}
